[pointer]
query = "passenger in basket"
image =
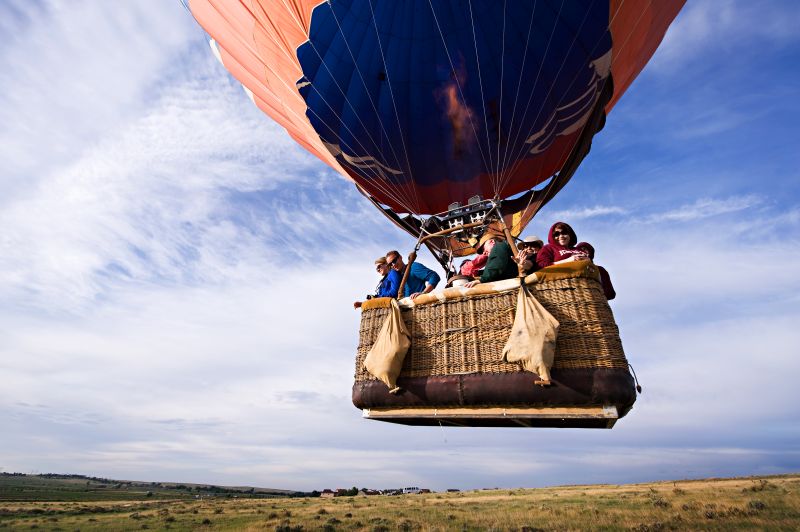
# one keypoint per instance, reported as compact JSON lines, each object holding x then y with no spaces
{"x":421,"y":280}
{"x":500,"y":262}
{"x":526,"y":257}
{"x":474,"y":267}
{"x":560,"y":247}
{"x":389,"y":283}
{"x":605,"y":278}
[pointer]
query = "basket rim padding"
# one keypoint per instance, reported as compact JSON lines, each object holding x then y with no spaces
{"x":567,"y":270}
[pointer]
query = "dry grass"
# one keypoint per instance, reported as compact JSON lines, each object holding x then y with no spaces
{"x":757,"y":503}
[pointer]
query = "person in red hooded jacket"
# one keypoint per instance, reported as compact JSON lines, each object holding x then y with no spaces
{"x":560,"y":246}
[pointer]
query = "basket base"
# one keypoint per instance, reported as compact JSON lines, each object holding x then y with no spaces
{"x":570,"y":388}
{"x":597,"y":417}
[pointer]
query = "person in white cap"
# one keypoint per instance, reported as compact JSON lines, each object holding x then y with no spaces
{"x":526,"y":257}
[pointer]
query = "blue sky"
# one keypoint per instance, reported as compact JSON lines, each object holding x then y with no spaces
{"x":176,"y":274}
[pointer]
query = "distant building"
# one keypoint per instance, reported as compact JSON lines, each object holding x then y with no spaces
{"x":327,"y":493}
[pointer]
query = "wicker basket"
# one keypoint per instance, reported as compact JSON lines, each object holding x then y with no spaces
{"x":467,"y":335}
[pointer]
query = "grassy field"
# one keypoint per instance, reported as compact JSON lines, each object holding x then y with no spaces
{"x":754,"y":503}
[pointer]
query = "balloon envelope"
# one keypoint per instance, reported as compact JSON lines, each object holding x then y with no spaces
{"x":423,"y":103}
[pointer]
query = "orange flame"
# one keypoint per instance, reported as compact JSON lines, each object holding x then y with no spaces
{"x":458,"y":113}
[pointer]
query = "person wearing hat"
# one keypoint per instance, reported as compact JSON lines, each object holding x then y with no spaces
{"x":389,"y":283}
{"x":526,"y":257}
{"x":500,"y":263}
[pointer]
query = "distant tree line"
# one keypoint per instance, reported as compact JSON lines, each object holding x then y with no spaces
{"x":208,"y":489}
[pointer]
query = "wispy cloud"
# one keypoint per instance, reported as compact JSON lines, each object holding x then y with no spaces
{"x":726,"y":25}
{"x":84,"y":66}
{"x":199,"y":188}
{"x":639,"y":213}
{"x":705,"y":208}
{"x":587,"y":212}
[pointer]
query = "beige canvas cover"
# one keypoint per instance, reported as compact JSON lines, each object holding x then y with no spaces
{"x":385,"y":359}
{"x":533,"y":337}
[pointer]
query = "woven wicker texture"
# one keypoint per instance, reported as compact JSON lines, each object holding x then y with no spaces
{"x":467,"y":335}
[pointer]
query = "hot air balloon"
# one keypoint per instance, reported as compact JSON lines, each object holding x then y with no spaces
{"x":452,"y":116}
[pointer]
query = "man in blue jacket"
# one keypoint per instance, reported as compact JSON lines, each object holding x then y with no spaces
{"x":389,"y":283}
{"x":421,"y":280}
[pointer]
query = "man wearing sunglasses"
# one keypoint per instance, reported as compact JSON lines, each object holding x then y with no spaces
{"x":389,"y":283}
{"x":560,"y":246}
{"x":421,"y":280}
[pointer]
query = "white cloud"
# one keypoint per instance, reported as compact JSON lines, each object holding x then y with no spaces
{"x":723,"y":26}
{"x":705,"y":208}
{"x":72,"y":73}
{"x":701,"y":255}
{"x":198,"y":189}
{"x":587,"y":212}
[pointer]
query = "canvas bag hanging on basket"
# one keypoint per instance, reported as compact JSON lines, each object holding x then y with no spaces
{"x":533,"y":337}
{"x":385,"y":359}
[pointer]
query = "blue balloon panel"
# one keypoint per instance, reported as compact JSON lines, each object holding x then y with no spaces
{"x":425,"y":103}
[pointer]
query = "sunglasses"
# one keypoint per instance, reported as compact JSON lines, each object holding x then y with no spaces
{"x":557,"y":234}
{"x":391,"y":262}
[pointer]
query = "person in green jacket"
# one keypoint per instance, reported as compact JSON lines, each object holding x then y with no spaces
{"x":501,"y":263}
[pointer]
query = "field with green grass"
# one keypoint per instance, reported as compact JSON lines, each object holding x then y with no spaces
{"x":754,"y":503}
